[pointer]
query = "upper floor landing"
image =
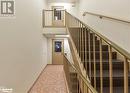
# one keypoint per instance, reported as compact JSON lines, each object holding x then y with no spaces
{"x":54,"y":22}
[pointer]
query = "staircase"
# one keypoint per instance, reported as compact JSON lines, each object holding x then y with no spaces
{"x":106,"y":64}
{"x":99,"y":64}
{"x":117,"y":66}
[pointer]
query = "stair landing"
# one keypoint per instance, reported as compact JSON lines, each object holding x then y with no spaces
{"x":52,"y":80}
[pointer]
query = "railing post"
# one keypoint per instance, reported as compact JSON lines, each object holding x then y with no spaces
{"x":80,"y":41}
{"x":53,"y":17}
{"x":101,"y":68}
{"x":86,"y":90}
{"x":94,"y":61}
{"x":65,"y":19}
{"x":86,"y":50}
{"x":110,"y":69}
{"x":89,"y":52}
{"x":82,"y":86}
{"x":125,"y":75}
{"x":79,"y":85}
{"x":83,"y":46}
{"x":43,"y":18}
{"x":78,"y":44}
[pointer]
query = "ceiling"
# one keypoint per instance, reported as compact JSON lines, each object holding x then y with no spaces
{"x":61,"y":1}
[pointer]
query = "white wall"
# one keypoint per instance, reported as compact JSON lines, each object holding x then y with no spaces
{"x":67,"y":50}
{"x":49,"y":49}
{"x":63,"y":1}
{"x":117,"y":32}
{"x":67,"y":6}
{"x":55,"y":31}
{"x":23,"y":49}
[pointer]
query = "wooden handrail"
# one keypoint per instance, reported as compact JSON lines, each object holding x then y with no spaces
{"x":115,"y":46}
{"x":73,"y":22}
{"x":108,"y":17}
{"x":81,"y":76}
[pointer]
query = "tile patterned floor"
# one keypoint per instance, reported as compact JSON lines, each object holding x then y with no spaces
{"x":51,"y":81}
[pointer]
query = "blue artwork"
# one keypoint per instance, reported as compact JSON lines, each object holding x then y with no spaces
{"x":58,"y":47}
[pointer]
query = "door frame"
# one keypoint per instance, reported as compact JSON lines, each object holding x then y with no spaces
{"x":53,"y":48}
{"x":52,"y":7}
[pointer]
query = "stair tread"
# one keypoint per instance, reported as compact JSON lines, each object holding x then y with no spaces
{"x":116,"y":73}
{"x":98,"y":51}
{"x":115,"y":90}
{"x":107,"y":60}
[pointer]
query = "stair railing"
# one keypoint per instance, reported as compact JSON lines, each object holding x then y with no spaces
{"x":76,"y":82}
{"x":82,"y":36}
{"x":107,"y":17}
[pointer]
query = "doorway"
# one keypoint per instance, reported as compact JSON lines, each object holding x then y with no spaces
{"x":58,"y":15}
{"x":58,"y":50}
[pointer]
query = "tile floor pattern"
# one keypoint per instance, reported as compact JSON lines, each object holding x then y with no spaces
{"x":51,"y":81}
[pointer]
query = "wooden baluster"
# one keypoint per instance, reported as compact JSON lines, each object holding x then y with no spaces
{"x":79,"y":84}
{"x":80,"y":40}
{"x":81,"y":44}
{"x":65,"y":16}
{"x":94,"y":60}
{"x":125,"y":75}
{"x":43,"y":18}
{"x":89,"y":52}
{"x":87,"y":90}
{"x":110,"y":69}
{"x":68,"y":20}
{"x":83,"y":52}
{"x":52,"y":14}
{"x":83,"y":87}
{"x":86,"y":50}
{"x":84,"y":47}
{"x":101,"y":68}
{"x":129,"y":64}
{"x":75,"y":23}
{"x":78,"y":37}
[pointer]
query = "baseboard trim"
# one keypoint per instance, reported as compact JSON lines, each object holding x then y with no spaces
{"x":66,"y":84}
{"x":37,"y":79}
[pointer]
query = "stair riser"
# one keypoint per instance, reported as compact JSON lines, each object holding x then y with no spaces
{"x":91,"y":43}
{"x":104,"y":48}
{"x":117,"y":82}
{"x":116,"y":66}
{"x":105,"y":55}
